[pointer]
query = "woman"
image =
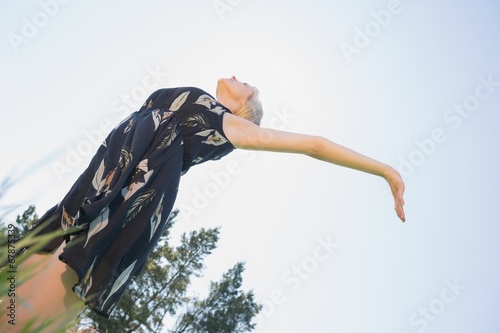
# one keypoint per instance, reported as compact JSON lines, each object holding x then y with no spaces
{"x":116,"y":211}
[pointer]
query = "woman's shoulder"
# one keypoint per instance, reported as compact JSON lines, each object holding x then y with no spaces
{"x":177,"y":96}
{"x":198,"y":99}
{"x":182,"y":89}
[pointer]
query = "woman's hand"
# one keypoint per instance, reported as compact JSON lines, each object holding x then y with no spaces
{"x":397,"y":188}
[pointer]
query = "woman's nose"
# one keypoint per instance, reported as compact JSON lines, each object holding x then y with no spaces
{"x":234,"y":78}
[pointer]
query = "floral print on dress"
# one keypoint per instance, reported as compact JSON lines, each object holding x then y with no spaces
{"x":116,"y":210}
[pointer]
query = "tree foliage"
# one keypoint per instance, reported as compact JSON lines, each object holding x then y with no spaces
{"x":227,"y":309}
{"x":162,"y":290}
{"x":23,"y":223}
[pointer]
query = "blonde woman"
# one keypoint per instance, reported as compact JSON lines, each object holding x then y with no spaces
{"x":116,"y":211}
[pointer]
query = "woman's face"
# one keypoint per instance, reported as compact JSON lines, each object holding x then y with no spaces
{"x":234,"y":89}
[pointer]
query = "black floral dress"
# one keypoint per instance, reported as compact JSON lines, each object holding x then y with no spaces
{"x":117,"y":209}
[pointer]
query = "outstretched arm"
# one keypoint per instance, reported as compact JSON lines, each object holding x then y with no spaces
{"x":246,"y":135}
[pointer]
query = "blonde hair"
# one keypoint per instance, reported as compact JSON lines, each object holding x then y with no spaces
{"x":252,"y":109}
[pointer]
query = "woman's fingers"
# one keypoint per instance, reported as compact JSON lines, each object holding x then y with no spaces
{"x":397,"y":188}
{"x":401,"y":202}
{"x":400,"y":211}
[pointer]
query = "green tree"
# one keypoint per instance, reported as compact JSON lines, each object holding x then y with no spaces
{"x":227,"y":309}
{"x":26,"y":220}
{"x":23,"y":223}
{"x":161,"y":287}
{"x":161,"y":290}
{"x":3,"y":234}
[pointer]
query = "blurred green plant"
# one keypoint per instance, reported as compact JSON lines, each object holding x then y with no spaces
{"x":160,"y":290}
{"x":16,"y":246}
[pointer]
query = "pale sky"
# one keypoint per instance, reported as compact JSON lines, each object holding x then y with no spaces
{"x":415,"y":84}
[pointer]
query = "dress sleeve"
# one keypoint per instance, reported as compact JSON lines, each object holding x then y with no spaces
{"x":204,"y":136}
